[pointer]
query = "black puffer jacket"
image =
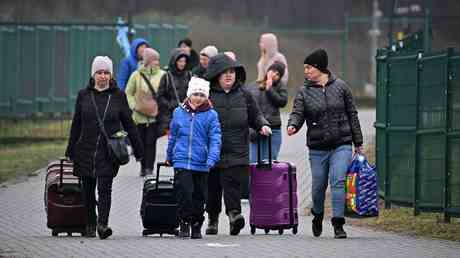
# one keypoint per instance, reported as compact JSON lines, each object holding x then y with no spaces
{"x":330,"y":113}
{"x":87,"y":147}
{"x":237,"y":111}
{"x":270,"y":101}
{"x":166,"y":97}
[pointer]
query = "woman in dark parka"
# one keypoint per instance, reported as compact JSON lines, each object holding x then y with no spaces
{"x":237,"y":112}
{"x":87,"y":147}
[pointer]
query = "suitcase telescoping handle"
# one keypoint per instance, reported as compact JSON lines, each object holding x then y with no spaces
{"x":260,"y":164}
{"x":159,"y":165}
{"x":61,"y":171}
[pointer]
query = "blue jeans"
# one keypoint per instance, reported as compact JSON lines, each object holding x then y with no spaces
{"x":276,"y":145}
{"x":330,"y":165}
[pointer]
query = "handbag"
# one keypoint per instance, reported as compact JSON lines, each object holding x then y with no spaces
{"x":116,"y":144}
{"x":361,"y":189}
{"x":146,"y":104}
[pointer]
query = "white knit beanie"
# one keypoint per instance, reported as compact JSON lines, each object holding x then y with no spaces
{"x":209,"y":51}
{"x":101,"y":63}
{"x":198,"y":85}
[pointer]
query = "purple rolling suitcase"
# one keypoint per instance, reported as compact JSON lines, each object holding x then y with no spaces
{"x":273,"y":195}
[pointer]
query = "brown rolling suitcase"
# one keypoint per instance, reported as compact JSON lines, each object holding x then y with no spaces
{"x":65,"y":210}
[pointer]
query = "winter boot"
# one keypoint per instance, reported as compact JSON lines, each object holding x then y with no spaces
{"x":104,"y":231}
{"x":90,"y":231}
{"x":317,"y":223}
{"x":196,"y":230}
{"x":213,"y":223}
{"x":184,"y":230}
{"x":338,"y":227}
{"x":236,"y":222}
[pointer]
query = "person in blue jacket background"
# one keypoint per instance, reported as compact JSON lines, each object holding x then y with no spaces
{"x":130,"y":64}
{"x":193,"y":148}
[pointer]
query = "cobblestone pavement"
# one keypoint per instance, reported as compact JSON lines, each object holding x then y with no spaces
{"x":23,"y":231}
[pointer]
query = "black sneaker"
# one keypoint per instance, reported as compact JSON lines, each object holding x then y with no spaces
{"x":184,"y":230}
{"x":104,"y":231}
{"x":213,"y":223}
{"x":196,"y":231}
{"x":90,"y":231}
{"x":338,"y":223}
{"x":236,"y":222}
{"x":317,"y":223}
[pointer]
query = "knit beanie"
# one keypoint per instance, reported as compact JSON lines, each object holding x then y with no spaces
{"x":101,"y":63}
{"x":317,"y":59}
{"x":150,"y":54}
{"x":278,"y":67}
{"x":209,"y":51}
{"x":198,"y":85}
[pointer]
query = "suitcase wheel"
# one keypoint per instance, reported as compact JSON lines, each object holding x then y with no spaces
{"x":280,"y":231}
{"x":294,"y":230}
{"x":253,"y":230}
{"x":54,"y":233}
{"x":266,"y":231}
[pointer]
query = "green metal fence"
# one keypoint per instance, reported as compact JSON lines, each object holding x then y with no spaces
{"x":42,"y":66}
{"x":418,"y":129}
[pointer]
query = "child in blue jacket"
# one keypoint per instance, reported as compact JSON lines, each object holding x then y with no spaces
{"x":193,"y":148}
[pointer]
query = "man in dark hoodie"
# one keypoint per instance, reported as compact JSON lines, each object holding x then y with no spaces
{"x":237,"y":112}
{"x":130,"y":64}
{"x":173,"y":86}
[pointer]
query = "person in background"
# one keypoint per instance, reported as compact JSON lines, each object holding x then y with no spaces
{"x":326,"y":104}
{"x":205,"y":54}
{"x":147,"y":123}
{"x":130,"y":64}
{"x":193,"y":148}
{"x":237,"y":112}
{"x":271,"y":95}
{"x":269,"y":54}
{"x":88,"y":148}
{"x":173,"y":86}
{"x":186,"y":45}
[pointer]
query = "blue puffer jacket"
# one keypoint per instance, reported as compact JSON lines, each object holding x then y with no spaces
{"x":129,"y":64}
{"x":194,"y":140}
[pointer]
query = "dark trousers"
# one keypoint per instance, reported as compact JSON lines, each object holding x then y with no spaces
{"x":104,"y":192}
{"x":149,"y":135}
{"x":226,"y":181}
{"x":191,"y":193}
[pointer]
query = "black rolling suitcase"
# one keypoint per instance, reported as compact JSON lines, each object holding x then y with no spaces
{"x":159,"y":205}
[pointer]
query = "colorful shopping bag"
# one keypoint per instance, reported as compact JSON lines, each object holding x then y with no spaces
{"x":361,"y":188}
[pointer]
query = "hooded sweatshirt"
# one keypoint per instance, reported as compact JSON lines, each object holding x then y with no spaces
{"x":129,"y":64}
{"x":272,"y":55}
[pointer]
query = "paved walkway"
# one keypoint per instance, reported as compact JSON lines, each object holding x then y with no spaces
{"x":23,"y":231}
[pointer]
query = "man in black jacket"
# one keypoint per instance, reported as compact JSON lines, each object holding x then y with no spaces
{"x":237,"y":112}
{"x":326,"y":104}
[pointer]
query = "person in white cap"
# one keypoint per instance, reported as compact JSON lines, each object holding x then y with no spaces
{"x":88,"y":148}
{"x":193,"y":149}
{"x":205,"y":54}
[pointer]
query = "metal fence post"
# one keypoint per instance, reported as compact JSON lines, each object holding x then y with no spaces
{"x":344,"y":48}
{"x":387,"y":125}
{"x":417,"y":147}
{"x":450,"y":52}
